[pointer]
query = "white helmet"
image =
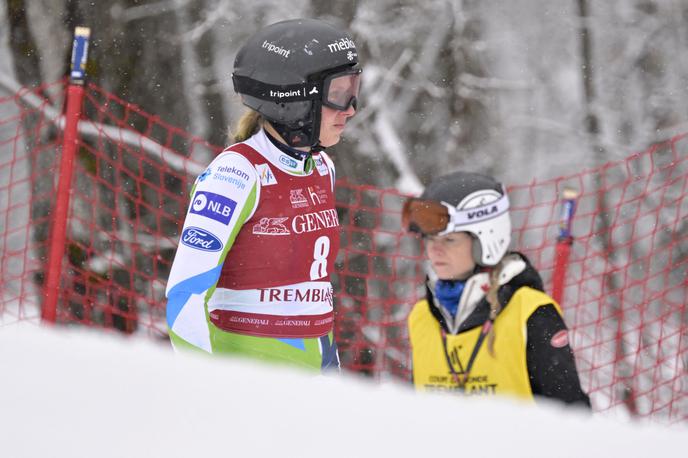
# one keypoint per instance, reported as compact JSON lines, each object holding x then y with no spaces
{"x":464,"y":202}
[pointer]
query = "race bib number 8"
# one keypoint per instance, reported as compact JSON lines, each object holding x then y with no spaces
{"x":320,"y":251}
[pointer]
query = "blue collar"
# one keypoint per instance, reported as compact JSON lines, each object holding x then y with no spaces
{"x":448,"y":293}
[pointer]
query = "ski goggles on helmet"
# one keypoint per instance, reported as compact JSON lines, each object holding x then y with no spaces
{"x":340,"y":90}
{"x":429,"y":217}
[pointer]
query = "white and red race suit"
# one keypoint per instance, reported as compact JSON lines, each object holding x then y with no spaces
{"x":257,"y":247}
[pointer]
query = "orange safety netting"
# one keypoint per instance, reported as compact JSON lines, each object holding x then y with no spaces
{"x":625,"y":292}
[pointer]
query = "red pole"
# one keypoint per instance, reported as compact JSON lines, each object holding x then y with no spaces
{"x":561,"y":261}
{"x":58,"y":235}
{"x":564,"y":242}
{"x":75,"y":96}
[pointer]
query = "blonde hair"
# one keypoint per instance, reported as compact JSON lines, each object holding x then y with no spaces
{"x":493,"y":299}
{"x":249,"y":124}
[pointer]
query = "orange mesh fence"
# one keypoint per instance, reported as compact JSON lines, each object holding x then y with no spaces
{"x":625,"y":291}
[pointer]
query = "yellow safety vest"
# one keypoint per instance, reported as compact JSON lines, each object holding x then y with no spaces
{"x":505,"y":373}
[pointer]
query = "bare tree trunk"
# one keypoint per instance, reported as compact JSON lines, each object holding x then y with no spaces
{"x":190,"y":72}
{"x":46,"y":22}
{"x":340,"y":13}
{"x":611,"y":284}
{"x":17,"y":253}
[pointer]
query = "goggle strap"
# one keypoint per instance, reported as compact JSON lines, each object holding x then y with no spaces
{"x":275,"y":92}
{"x":458,"y":218}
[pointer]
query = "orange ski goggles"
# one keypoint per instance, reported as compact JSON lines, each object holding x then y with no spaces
{"x":429,"y":217}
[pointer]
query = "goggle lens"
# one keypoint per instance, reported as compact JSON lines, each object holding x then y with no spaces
{"x":424,"y":216}
{"x":341,"y":90}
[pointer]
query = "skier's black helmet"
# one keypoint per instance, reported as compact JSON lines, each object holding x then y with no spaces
{"x":283,"y":71}
{"x":464,"y":202}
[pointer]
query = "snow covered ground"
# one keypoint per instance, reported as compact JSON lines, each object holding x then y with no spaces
{"x":78,"y":393}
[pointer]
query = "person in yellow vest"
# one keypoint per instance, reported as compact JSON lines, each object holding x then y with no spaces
{"x":486,"y":326}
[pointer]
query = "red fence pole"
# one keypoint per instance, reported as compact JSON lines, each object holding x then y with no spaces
{"x":58,"y":234}
{"x":564,"y":242}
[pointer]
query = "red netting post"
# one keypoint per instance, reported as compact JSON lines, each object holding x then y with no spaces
{"x":58,"y":235}
{"x":564,"y":242}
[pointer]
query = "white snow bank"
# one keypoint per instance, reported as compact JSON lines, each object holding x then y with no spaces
{"x":68,"y":393}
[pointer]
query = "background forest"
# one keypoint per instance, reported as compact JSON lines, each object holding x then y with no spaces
{"x":524,"y":89}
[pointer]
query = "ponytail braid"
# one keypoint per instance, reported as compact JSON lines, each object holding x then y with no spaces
{"x":248,"y":124}
{"x":492,"y":297}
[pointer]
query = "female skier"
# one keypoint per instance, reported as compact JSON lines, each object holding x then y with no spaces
{"x":251,"y":275}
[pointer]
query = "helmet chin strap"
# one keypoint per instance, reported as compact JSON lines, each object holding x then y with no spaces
{"x":317,"y":148}
{"x":303,"y":133}
{"x":296,"y":137}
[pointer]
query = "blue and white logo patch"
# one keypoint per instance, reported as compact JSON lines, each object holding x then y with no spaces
{"x":289,"y":162}
{"x":213,"y":206}
{"x":266,"y":176}
{"x":320,"y":165}
{"x":200,"y":239}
